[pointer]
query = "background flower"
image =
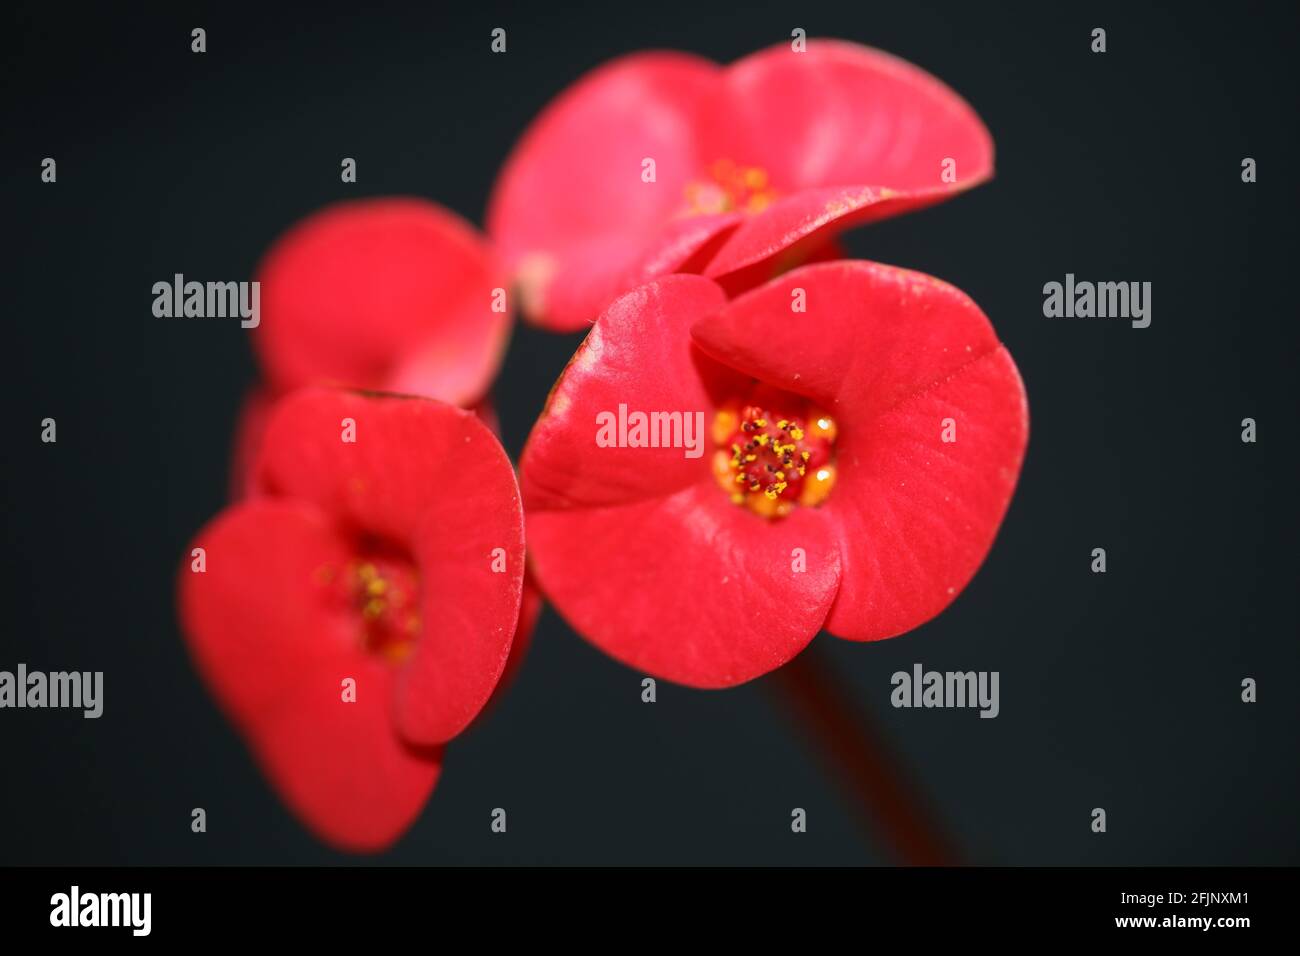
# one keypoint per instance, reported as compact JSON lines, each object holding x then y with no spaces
{"x":390,"y":294}
{"x":396,"y":561}
{"x":755,"y":166}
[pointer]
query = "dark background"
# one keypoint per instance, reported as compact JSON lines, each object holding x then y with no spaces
{"x":1119,"y":690}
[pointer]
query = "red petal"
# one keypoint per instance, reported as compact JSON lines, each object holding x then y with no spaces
{"x":891,"y":353}
{"x":788,"y":232}
{"x":432,"y":480}
{"x":382,"y":293}
{"x":252,"y":617}
{"x":575,"y":297}
{"x":274,"y":653}
{"x":687,"y":587}
{"x":340,"y":766}
{"x":570,"y":210}
{"x":530,"y":609}
{"x":846,"y":134}
{"x":250,"y":428}
{"x":843,"y":113}
{"x":922,"y":514}
{"x":639,"y":354}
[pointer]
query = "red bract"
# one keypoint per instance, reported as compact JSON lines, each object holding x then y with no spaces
{"x":398,"y":295}
{"x":756,"y":165}
{"x":856,"y":462}
{"x":394,"y":561}
{"x":395,"y":295}
{"x":250,"y":428}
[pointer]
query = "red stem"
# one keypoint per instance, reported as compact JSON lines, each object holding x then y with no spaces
{"x":889,"y":804}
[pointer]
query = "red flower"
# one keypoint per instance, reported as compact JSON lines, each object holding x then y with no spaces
{"x":394,"y":295}
{"x":398,"y":295}
{"x":755,"y":166}
{"x":394,"y":561}
{"x":856,"y":462}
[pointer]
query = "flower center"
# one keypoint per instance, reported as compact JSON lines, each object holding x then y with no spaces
{"x":730,"y":188}
{"x":383,"y":591}
{"x":769,"y":461}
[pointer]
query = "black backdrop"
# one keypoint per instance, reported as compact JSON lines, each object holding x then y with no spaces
{"x":1118,"y":690}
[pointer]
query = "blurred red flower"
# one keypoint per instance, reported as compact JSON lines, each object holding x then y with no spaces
{"x":856,"y":461}
{"x":397,"y":295}
{"x":664,"y":162}
{"x":394,"y":562}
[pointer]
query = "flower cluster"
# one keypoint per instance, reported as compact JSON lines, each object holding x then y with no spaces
{"x":861,"y":426}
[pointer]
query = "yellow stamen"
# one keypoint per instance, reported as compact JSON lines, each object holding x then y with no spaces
{"x":724,"y":426}
{"x":823,"y":426}
{"x":817,"y":487}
